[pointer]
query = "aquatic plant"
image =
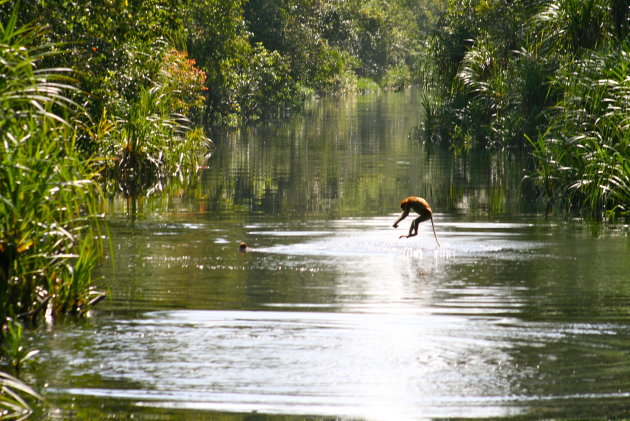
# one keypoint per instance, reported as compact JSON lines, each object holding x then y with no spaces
{"x":13,"y":346}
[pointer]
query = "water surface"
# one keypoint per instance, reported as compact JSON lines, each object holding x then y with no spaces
{"x":331,"y":314}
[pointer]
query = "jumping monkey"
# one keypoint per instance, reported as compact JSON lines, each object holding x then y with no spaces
{"x":422,"y":208}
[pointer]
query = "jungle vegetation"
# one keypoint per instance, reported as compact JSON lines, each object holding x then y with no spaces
{"x":552,"y":75}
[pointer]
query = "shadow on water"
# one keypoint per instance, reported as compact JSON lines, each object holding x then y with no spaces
{"x":330,"y":314}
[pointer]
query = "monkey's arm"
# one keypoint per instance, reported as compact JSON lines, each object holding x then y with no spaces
{"x":402,"y":216}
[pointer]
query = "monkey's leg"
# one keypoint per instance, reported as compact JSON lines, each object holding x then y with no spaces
{"x":413,"y":229}
{"x":416,"y":223}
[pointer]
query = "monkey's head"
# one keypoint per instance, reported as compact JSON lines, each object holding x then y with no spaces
{"x":242,"y":246}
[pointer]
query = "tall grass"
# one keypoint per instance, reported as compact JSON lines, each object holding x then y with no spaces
{"x":49,"y":233}
{"x":47,"y":217}
{"x":13,"y":401}
{"x":571,"y":26}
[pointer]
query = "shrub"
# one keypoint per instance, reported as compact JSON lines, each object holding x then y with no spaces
{"x":155,"y":138}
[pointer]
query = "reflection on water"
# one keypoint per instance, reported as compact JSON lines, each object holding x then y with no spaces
{"x":345,"y":319}
{"x":376,"y":366}
{"x":369,"y":365}
{"x":331,"y":314}
{"x":345,"y":156}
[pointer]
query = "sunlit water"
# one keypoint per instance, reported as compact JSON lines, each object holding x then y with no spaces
{"x":330,"y":314}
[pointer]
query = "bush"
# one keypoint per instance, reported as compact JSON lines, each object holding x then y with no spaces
{"x":155,"y":133}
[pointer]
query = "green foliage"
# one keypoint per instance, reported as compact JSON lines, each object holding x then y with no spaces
{"x":259,"y":56}
{"x":484,"y":84}
{"x":571,"y":26}
{"x":365,"y":85}
{"x":151,"y":143}
{"x":587,"y":148}
{"x":24,"y":91}
{"x":260,"y":86}
{"x":374,"y":40}
{"x":157,"y":70}
{"x":528,"y":70}
{"x":183,"y":82}
{"x":47,"y":191}
{"x":49,"y":235}
{"x":117,"y":64}
{"x":327,"y":43}
{"x":397,"y":77}
{"x":48,"y":195}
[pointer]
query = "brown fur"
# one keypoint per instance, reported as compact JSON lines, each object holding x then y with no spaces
{"x":422,"y":208}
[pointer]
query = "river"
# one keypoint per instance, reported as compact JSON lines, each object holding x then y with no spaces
{"x":329,"y":314}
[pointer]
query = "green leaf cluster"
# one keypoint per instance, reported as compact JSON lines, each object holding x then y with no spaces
{"x":13,"y":398}
{"x":550,"y":74}
{"x":259,"y":56}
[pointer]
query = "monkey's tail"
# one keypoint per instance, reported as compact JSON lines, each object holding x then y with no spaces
{"x":434,"y":231}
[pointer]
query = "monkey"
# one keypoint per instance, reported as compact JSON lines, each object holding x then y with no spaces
{"x":422,"y":208}
{"x":243,"y":247}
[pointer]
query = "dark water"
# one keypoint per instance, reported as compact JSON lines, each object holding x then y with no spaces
{"x":331,"y":315}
